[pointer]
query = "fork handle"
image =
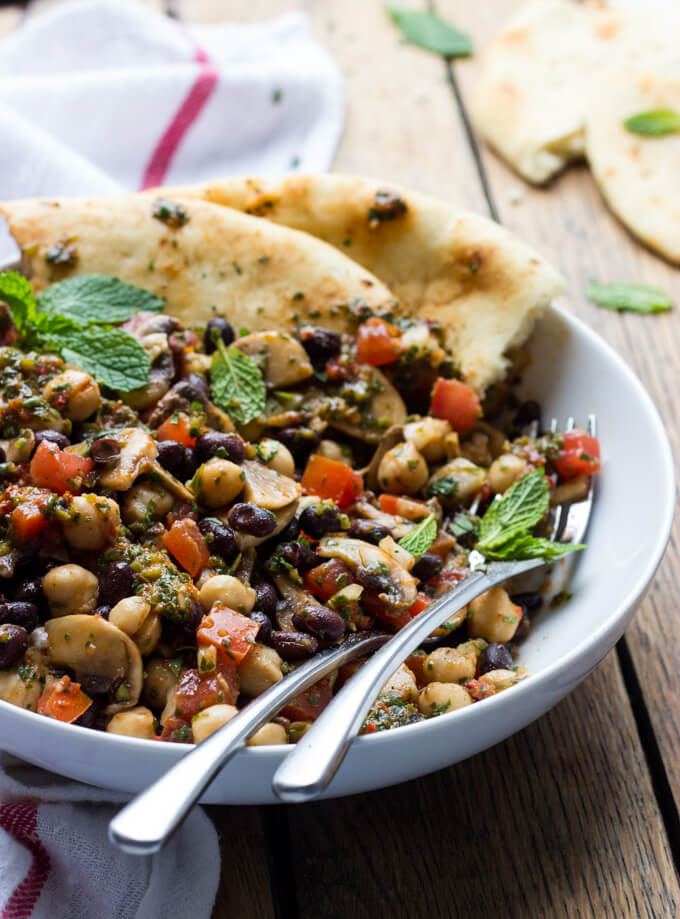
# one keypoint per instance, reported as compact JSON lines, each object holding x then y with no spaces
{"x":144,"y":824}
{"x":309,"y":767}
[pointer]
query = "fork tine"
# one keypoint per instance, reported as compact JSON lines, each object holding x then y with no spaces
{"x":578,"y":514}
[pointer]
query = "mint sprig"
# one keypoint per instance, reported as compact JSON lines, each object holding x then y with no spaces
{"x":421,"y":537}
{"x":654,"y":123}
{"x":111,"y":355}
{"x":636,"y":298}
{"x":236,"y":384}
{"x":97,"y":298}
{"x":505,"y":529}
{"x":422,"y":28}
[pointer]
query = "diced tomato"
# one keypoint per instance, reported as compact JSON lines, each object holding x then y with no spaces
{"x":422,"y":601}
{"x":64,"y":700}
{"x":446,"y":579}
{"x":327,"y":579}
{"x":456,"y":403}
{"x":28,"y":522}
{"x":229,"y":631}
{"x":176,"y":729}
{"x":378,"y":343}
{"x":309,"y":704}
{"x":371,"y":602}
{"x":177,"y":427}
{"x":415,"y":662}
{"x":185,"y":542}
{"x":331,"y":480}
{"x":398,"y":506}
{"x":580,"y":455}
{"x":58,"y":470}
{"x":196,"y":691}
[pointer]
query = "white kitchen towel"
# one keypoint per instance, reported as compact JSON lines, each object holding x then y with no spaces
{"x":103,"y":94}
{"x":57,"y":863}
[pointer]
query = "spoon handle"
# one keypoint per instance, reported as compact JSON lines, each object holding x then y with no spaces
{"x":144,"y":824}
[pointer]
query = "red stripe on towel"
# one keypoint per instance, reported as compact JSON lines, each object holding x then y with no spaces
{"x":185,"y":116}
{"x":21,"y":822}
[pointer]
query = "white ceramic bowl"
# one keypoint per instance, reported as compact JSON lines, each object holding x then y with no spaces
{"x":573,"y":372}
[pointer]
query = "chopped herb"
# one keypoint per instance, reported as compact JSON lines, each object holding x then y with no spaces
{"x":636,"y":298}
{"x":170,"y":213}
{"x":430,"y":32}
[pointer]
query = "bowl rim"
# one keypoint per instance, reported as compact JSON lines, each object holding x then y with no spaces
{"x":534,"y":684}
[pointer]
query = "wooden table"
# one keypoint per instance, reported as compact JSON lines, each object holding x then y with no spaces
{"x":577,"y":815}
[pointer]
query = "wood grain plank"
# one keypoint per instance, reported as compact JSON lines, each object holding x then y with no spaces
{"x":557,"y":821}
{"x":570,"y":223}
{"x":395,"y":94}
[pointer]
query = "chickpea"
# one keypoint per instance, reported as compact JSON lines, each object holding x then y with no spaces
{"x":504,"y":472}
{"x":210,"y":719}
{"x":259,"y":669}
{"x":23,"y":691}
{"x":159,"y":681}
{"x":94,"y":522}
{"x":147,"y":637}
{"x":332,"y":450}
{"x":276,"y":456}
{"x":269,"y":735}
{"x":75,"y":393}
{"x":574,"y":490}
{"x":466,"y":479}
{"x":452,"y":445}
{"x":218,"y":482}
{"x":223,"y":588}
{"x":403,"y":684}
{"x":448,"y":665}
{"x":427,"y":436}
{"x":437,"y":698}
{"x":136,"y":722}
{"x":129,"y":614}
{"x":499,"y":680}
{"x":402,"y":470}
{"x":494,"y":616}
{"x":144,"y":500}
{"x":70,"y":589}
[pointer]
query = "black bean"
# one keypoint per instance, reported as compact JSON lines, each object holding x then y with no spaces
{"x":294,"y":646}
{"x":191,"y":463}
{"x":266,"y":597}
{"x":290,"y":531}
{"x":320,"y":344}
{"x":495,"y":657}
{"x":300,"y":441}
{"x":368,"y":530}
{"x":427,"y":566}
{"x":31,"y":591}
{"x":217,"y":328}
{"x":13,"y":643}
{"x":20,"y":612}
{"x":104,"y":450}
{"x":94,"y":684}
{"x":265,"y":623}
{"x":319,"y":621}
{"x":318,"y":520}
{"x":193,"y":388}
{"x":215,"y":443}
{"x":530,"y":601}
{"x":372,"y":580}
{"x":90,"y":716}
{"x":54,"y":437}
{"x":252,"y":519}
{"x":527,"y":413}
{"x":171,"y":456}
{"x":299,"y":555}
{"x":115,"y":583}
{"x":221,"y":539}
{"x":3,"y":455}
{"x":102,"y":611}
{"x":522,"y":631}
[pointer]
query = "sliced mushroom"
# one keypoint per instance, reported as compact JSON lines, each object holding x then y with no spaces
{"x":387,"y":408}
{"x":294,"y":598}
{"x":267,"y":487}
{"x":95,"y":650}
{"x":374,"y":569}
{"x":398,"y":526}
{"x":283,"y":360}
{"x":393,"y":436}
{"x":137,"y":454}
{"x":172,"y":484}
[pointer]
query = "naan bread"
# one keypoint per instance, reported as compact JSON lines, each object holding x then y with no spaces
{"x":479,"y":281}
{"x":220,"y":261}
{"x":639,"y":176}
{"x":541,"y":72}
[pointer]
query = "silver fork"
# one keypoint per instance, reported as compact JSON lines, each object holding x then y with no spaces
{"x":308,"y":769}
{"x":147,"y":822}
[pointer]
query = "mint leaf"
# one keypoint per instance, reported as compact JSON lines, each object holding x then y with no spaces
{"x":528,"y":546}
{"x":637,"y":298}
{"x":421,"y":537}
{"x":446,"y":487}
{"x":236,"y":384}
{"x":111,"y":355}
{"x":17,"y":294}
{"x":462,"y":525}
{"x":90,"y":298}
{"x":513,"y":514}
{"x":430,"y":32}
{"x":654,"y":123}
